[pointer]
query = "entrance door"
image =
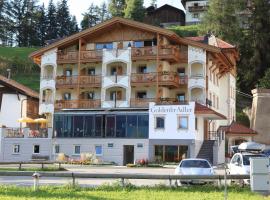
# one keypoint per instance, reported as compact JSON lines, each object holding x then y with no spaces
{"x":128,"y":154}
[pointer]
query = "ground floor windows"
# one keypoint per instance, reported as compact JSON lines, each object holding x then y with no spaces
{"x":160,"y":122}
{"x":110,"y":126}
{"x":170,"y":153}
{"x":77,"y":149}
{"x":16,"y":148}
{"x":36,"y":149}
{"x":98,"y":150}
{"x":182,"y":122}
{"x":56,"y":149}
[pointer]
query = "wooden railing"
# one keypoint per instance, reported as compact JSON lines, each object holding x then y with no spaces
{"x":197,"y":8}
{"x":69,"y":56}
{"x":164,"y":78}
{"x":91,"y":55}
{"x":77,"y":104}
{"x":73,"y":81}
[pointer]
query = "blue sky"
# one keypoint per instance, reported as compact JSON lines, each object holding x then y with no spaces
{"x":77,"y":7}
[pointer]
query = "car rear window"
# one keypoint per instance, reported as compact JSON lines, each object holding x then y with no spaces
{"x":195,"y":164}
{"x":246,"y":158}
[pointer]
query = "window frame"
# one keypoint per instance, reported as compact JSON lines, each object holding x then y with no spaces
{"x":34,"y":148}
{"x":74,"y":149}
{"x":99,"y":145}
{"x":160,"y":116}
{"x":14,"y":145}
{"x":56,"y":145}
{"x":178,"y":122}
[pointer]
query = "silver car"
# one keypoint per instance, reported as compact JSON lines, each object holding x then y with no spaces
{"x":194,"y":166}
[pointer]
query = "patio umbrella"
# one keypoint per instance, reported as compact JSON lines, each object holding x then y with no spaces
{"x":25,"y":120}
{"x":41,"y":120}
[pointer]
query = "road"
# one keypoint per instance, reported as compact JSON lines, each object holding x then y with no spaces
{"x":28,"y":181}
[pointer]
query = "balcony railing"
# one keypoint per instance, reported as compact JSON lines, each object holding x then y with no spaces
{"x":197,"y":8}
{"x":65,"y":57}
{"x":24,"y":133}
{"x":164,"y":78}
{"x":73,"y":81}
{"x":78,"y":104}
{"x":94,"y":55}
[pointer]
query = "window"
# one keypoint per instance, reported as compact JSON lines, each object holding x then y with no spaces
{"x":68,"y":72}
{"x":181,"y":71}
{"x":139,"y":145}
{"x":104,"y":46}
{"x":196,"y":15}
{"x":110,"y":145}
{"x":56,"y":149}
{"x":138,"y":44}
{"x":90,"y":95}
{"x":196,"y":123}
{"x":142,"y":69}
{"x":77,"y":149}
{"x":110,"y":126}
{"x":141,"y":95}
{"x":181,"y":97}
{"x":160,"y":122}
{"x":16,"y":148}
{"x":67,"y":96}
{"x":182,"y":122}
{"x":36,"y":149}
{"x":113,"y":71}
{"x":112,"y":95}
{"x":98,"y":150}
{"x":91,"y":71}
{"x":217,"y":102}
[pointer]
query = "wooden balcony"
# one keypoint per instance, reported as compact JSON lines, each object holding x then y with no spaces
{"x":170,"y":53}
{"x":197,"y":8}
{"x":85,"y":56}
{"x":170,"y":79}
{"x":78,"y":104}
{"x":73,"y":81}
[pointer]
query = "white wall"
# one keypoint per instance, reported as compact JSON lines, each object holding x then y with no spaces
{"x":11,"y":109}
{"x":189,"y":15}
{"x":171,"y":113}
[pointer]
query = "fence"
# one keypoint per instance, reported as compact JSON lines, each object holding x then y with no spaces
{"x":42,"y":163}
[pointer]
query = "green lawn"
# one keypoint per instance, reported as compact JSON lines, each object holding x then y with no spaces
{"x":30,"y":80}
{"x":113,"y":193}
{"x":20,"y":52}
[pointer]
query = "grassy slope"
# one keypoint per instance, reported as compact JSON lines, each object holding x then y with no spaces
{"x":186,"y":31}
{"x":109,"y":193}
{"x":30,"y":80}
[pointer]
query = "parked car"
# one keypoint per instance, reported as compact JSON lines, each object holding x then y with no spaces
{"x":266,"y":152}
{"x":240,"y":163}
{"x":194,"y":166}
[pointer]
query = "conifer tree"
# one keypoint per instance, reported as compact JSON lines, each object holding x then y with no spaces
{"x":116,"y":8}
{"x":134,"y":10}
{"x":52,"y":28}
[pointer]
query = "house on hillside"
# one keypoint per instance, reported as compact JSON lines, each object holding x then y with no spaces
{"x":20,"y":141}
{"x":125,"y":91}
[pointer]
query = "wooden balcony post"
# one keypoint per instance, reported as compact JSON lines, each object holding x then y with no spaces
{"x":157,"y":65}
{"x":79,"y":68}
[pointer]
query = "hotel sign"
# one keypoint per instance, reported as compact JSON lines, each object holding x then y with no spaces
{"x":171,"y":109}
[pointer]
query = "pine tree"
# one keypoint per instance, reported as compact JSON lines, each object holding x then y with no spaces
{"x":91,"y":18}
{"x":4,"y":23}
{"x":41,"y":26}
{"x":134,"y":10}
{"x":52,"y":28}
{"x":116,"y":8}
{"x":63,"y":19}
{"x":103,"y":12}
{"x":74,"y":25}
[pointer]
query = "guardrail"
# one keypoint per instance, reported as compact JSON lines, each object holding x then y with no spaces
{"x":42,"y":163}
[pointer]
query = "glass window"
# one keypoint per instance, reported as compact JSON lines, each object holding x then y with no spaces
{"x":171,"y":154}
{"x":91,"y":71}
{"x":158,"y":153}
{"x":110,"y":126}
{"x":90,"y":95}
{"x":181,"y":97}
{"x":98,"y":125}
{"x":78,"y":126}
{"x":58,"y":126}
{"x":182,"y":122}
{"x":89,"y":129}
{"x":77,"y":149}
{"x":67,"y":96}
{"x":68,"y":126}
{"x":36,"y":149}
{"x":138,"y":44}
{"x":132,"y":126}
{"x":139,"y":145}
{"x":143,"y":125}
{"x":181,"y":71}
{"x":195,"y":164}
{"x":57,"y":149}
{"x":121,"y":124}
{"x":141,"y":95}
{"x":110,"y":145}
{"x":68,"y":72}
{"x":16,"y":148}
{"x":160,"y":122}
{"x":104,"y":46}
{"x":112,"y":95}
{"x":183,"y":150}
{"x":113,"y":71}
{"x":98,"y":150}
{"x":142,"y":69}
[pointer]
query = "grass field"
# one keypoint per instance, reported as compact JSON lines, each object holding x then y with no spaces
{"x":20,"y":52}
{"x":30,"y":80}
{"x":113,"y":193}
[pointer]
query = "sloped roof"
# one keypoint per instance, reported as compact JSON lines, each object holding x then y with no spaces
{"x":204,"y":110}
{"x":173,"y":3}
{"x":18,"y":87}
{"x":127,"y":22}
{"x":238,"y":129}
{"x":220,"y":43}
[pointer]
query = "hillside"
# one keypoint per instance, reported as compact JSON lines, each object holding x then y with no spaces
{"x":22,"y":68}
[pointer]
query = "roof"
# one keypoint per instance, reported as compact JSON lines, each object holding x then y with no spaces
{"x":173,"y":3}
{"x":204,"y":110}
{"x":237,"y":129}
{"x":220,"y":43}
{"x":115,"y":20}
{"x":18,"y":87}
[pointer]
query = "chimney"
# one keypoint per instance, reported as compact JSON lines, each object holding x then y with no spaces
{"x":206,"y":38}
{"x":8,"y":73}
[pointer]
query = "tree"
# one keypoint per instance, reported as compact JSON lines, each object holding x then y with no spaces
{"x":265,"y":81}
{"x":116,"y":8}
{"x":52,"y":28}
{"x":134,"y":10}
{"x":91,"y":18}
{"x":74,"y":25}
{"x":103,"y":12}
{"x":5,"y":23}
{"x":41,"y":26}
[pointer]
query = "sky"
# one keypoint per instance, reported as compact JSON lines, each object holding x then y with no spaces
{"x":77,"y":7}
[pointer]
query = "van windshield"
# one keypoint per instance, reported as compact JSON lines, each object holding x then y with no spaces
{"x":246,"y":158}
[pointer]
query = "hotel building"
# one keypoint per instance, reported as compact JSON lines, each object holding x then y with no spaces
{"x":124,"y":91}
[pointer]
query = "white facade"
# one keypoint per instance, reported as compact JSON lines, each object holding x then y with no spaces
{"x":195,"y":11}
